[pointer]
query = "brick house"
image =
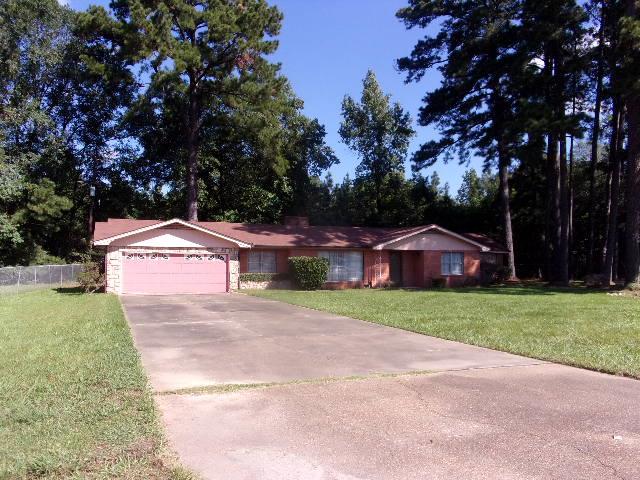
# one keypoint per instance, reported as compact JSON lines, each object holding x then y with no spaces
{"x":175,"y":256}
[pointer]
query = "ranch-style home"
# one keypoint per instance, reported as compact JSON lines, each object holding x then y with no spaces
{"x":176,"y":256}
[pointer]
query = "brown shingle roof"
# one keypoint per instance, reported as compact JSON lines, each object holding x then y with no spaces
{"x":267,"y":235}
{"x":494,"y":245}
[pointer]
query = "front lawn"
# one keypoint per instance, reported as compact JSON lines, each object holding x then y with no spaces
{"x":74,"y":401}
{"x":573,"y":326}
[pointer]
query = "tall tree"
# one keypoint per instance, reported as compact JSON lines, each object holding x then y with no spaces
{"x":599,"y":72}
{"x":549,"y":33}
{"x":209,"y":52}
{"x":630,"y":26}
{"x":379,"y":132}
{"x":476,"y":105}
{"x":613,"y":192}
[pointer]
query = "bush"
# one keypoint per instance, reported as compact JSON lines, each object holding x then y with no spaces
{"x":438,"y":283}
{"x":308,"y":273}
{"x":42,"y":257}
{"x":502,"y":274}
{"x":263,"y":277}
{"x":91,"y":278}
{"x":633,"y":287}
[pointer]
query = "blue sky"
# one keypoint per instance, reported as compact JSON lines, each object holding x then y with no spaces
{"x":326,"y":48}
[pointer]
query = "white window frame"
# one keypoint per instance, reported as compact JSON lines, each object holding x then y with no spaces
{"x":447,"y":264}
{"x":342,"y":263}
{"x":262,"y":261}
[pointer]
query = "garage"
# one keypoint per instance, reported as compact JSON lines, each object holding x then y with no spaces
{"x":147,"y":257}
{"x":157,"y":273}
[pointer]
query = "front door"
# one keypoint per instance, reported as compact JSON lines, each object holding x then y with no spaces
{"x":395,"y":260}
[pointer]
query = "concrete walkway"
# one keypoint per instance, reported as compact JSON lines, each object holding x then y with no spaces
{"x":471,"y":413}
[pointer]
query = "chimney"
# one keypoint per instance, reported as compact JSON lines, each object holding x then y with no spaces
{"x":292,"y":221}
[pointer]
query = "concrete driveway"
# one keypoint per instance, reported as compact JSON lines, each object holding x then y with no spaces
{"x":439,"y":410}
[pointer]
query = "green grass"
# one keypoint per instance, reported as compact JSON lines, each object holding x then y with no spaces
{"x":577,"y":327}
{"x":74,"y":400}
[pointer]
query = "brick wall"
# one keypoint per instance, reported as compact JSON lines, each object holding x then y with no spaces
{"x":419,"y":268}
{"x":376,"y":268}
{"x":113,"y":270}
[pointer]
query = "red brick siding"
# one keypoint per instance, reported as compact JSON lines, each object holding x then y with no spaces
{"x":472,"y":264}
{"x":412,"y":269}
{"x":282,"y":265}
{"x":376,"y":267}
{"x":304,"y":252}
{"x":419,"y":268}
{"x":430,"y":267}
{"x":243,"y":260}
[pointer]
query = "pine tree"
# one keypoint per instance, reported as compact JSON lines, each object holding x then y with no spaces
{"x":210,"y":54}
{"x":630,"y":33}
{"x":475,"y":108}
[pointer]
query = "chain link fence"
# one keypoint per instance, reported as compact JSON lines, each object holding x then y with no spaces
{"x":19,"y":279}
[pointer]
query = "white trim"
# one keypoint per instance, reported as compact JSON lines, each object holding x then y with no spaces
{"x":108,"y":240}
{"x":428,"y":228}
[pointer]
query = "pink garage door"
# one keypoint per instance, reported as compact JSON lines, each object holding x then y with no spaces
{"x":160,"y":273}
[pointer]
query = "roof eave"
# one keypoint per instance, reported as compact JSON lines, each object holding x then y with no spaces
{"x":107,"y":241}
{"x":428,"y":228}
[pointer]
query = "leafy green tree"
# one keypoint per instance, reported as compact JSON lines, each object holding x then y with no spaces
{"x":379,"y":132}
{"x":470,"y":192}
{"x":31,"y":51}
{"x":207,"y":55}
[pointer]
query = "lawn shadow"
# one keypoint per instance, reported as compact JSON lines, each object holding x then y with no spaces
{"x":69,"y":290}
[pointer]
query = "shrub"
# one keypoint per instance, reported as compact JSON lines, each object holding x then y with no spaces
{"x":42,"y":257}
{"x":633,"y":287}
{"x":308,"y":273}
{"x":91,"y":278}
{"x":596,"y":280}
{"x":263,"y":277}
{"x":438,"y":283}
{"x":502,"y":274}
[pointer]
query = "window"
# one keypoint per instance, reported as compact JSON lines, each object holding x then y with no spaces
{"x":344,"y":266}
{"x":452,"y":263}
{"x":262,"y":262}
{"x":159,"y":256}
{"x":193,"y":257}
{"x":216,"y":257}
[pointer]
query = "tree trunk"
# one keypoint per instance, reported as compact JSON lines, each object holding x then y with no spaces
{"x":553,"y":208}
{"x":503,"y":167}
{"x":563,"y":254}
{"x":572,"y":263}
{"x":614,"y":189}
{"x":595,"y":136}
{"x":632,"y":205}
{"x":193,"y":130}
